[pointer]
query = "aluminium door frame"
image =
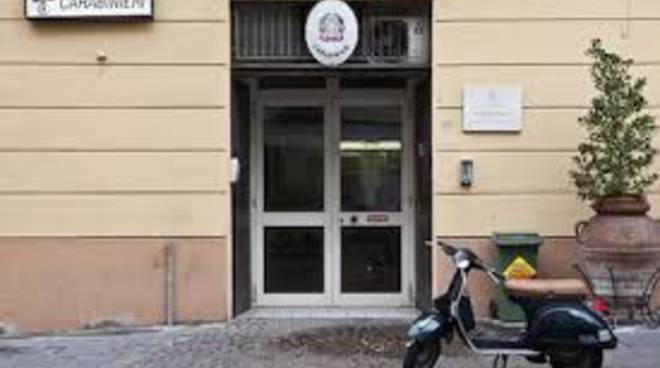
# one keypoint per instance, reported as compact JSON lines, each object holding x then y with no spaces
{"x":262,"y":219}
{"x":404,"y":219}
{"x":331,"y":99}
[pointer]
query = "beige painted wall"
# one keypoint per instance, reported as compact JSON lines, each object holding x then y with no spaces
{"x":140,"y":141}
{"x":102,"y":163}
{"x":521,"y":180}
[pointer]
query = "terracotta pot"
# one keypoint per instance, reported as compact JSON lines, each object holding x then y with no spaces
{"x":619,"y":247}
{"x":628,"y":205}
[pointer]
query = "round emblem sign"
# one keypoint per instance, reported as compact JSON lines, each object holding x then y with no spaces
{"x":331,"y":32}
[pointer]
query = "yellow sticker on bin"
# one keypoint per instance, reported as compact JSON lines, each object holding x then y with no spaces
{"x":519,"y":269}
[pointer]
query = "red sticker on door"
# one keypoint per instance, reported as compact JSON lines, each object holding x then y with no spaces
{"x":378,"y":217}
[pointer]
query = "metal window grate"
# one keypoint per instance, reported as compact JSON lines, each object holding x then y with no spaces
{"x":269,"y":32}
{"x":386,"y":39}
{"x":274,"y":32}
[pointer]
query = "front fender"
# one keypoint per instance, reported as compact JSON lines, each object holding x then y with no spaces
{"x":429,"y":326}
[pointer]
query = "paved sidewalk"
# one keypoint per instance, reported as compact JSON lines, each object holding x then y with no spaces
{"x":270,"y":343}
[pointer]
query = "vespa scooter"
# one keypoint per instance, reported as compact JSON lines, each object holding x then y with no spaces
{"x":560,"y":327}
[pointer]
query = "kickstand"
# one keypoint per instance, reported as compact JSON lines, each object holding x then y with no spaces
{"x":501,"y":361}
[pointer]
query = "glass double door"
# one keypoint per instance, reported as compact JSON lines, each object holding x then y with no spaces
{"x":332,"y":200}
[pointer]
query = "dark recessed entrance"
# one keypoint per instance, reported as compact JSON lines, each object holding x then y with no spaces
{"x":333,"y":201}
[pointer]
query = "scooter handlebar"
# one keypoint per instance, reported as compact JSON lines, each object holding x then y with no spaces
{"x":449,"y":249}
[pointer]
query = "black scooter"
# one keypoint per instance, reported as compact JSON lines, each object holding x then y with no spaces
{"x":560,"y":326}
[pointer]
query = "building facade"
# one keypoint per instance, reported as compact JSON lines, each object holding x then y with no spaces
{"x":189,"y":167}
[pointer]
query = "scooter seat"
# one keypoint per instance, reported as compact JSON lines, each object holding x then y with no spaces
{"x":547,"y":288}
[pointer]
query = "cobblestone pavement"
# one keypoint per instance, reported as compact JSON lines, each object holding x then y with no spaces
{"x":255,"y":343}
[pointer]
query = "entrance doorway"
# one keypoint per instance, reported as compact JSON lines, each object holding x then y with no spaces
{"x":332,"y":183}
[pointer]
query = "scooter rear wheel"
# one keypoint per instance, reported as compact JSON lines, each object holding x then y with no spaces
{"x":422,"y":355}
{"x":576,"y":358}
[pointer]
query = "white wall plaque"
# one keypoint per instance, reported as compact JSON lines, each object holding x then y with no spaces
{"x":331,"y":32}
{"x":72,"y":9}
{"x":496,"y":108}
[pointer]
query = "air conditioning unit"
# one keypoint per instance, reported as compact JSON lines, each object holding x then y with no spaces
{"x":396,"y":40}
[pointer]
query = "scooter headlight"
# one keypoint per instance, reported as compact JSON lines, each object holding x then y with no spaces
{"x":462,"y":260}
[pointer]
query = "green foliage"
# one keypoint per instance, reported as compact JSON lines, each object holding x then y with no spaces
{"x":615,"y":158}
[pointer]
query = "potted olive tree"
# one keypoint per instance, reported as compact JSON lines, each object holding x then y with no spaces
{"x":621,"y":243}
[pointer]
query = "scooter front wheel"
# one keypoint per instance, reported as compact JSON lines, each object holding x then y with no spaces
{"x":422,"y":355}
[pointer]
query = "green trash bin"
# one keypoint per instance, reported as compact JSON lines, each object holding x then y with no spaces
{"x":517,"y":258}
